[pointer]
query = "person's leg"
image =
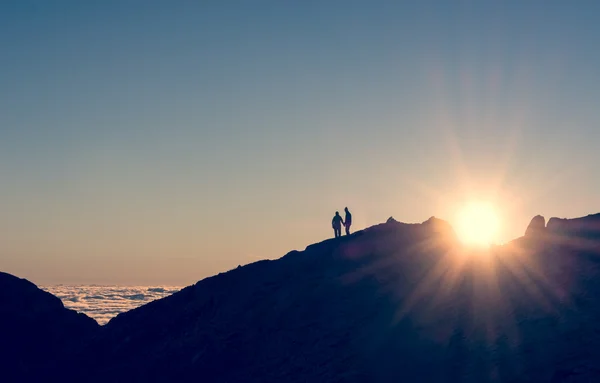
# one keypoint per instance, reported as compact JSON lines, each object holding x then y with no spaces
{"x":347,"y":229}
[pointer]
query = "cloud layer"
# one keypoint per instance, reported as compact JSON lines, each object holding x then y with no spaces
{"x":104,"y":302}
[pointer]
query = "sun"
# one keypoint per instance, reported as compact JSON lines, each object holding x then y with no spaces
{"x":478,"y":224}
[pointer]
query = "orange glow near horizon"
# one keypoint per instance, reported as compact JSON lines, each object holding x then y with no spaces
{"x":478,"y":224}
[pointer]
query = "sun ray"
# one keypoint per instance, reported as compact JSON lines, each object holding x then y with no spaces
{"x":478,"y":224}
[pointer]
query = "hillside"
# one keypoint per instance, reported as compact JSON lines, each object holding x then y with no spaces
{"x":395,"y":302}
{"x":34,"y":328}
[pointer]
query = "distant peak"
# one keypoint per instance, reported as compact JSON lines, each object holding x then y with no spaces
{"x":536,"y":226}
{"x":434,"y":219}
{"x":440,"y":226}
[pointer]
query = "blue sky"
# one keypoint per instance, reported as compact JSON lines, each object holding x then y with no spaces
{"x":164,"y":141}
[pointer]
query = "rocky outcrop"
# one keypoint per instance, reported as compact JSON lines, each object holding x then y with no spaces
{"x":34,"y":328}
{"x":536,"y":227}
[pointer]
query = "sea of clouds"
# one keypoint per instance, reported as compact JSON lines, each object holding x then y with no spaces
{"x":104,"y":302}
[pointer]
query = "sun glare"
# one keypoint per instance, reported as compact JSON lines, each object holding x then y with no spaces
{"x":478,"y":224}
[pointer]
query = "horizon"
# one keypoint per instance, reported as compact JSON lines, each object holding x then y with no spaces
{"x":51,"y":287}
{"x":496,"y":244}
{"x":160,"y":145}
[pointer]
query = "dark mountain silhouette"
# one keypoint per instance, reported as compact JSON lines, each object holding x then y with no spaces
{"x":536,"y":226}
{"x":393,"y":303}
{"x":34,"y":327}
{"x":584,"y":227}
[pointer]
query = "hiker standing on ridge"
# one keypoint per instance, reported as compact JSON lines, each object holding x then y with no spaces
{"x":348,"y":221}
{"x":337,"y":223}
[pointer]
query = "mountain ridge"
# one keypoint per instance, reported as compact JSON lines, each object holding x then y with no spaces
{"x":33,"y":325}
{"x":392,"y":302}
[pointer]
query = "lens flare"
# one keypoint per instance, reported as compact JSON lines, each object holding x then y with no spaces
{"x":478,"y":224}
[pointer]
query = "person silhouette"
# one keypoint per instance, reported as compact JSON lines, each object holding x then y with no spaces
{"x":337,"y":223}
{"x":348,"y":221}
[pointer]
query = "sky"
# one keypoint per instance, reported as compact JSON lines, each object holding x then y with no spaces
{"x":161,"y":142}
